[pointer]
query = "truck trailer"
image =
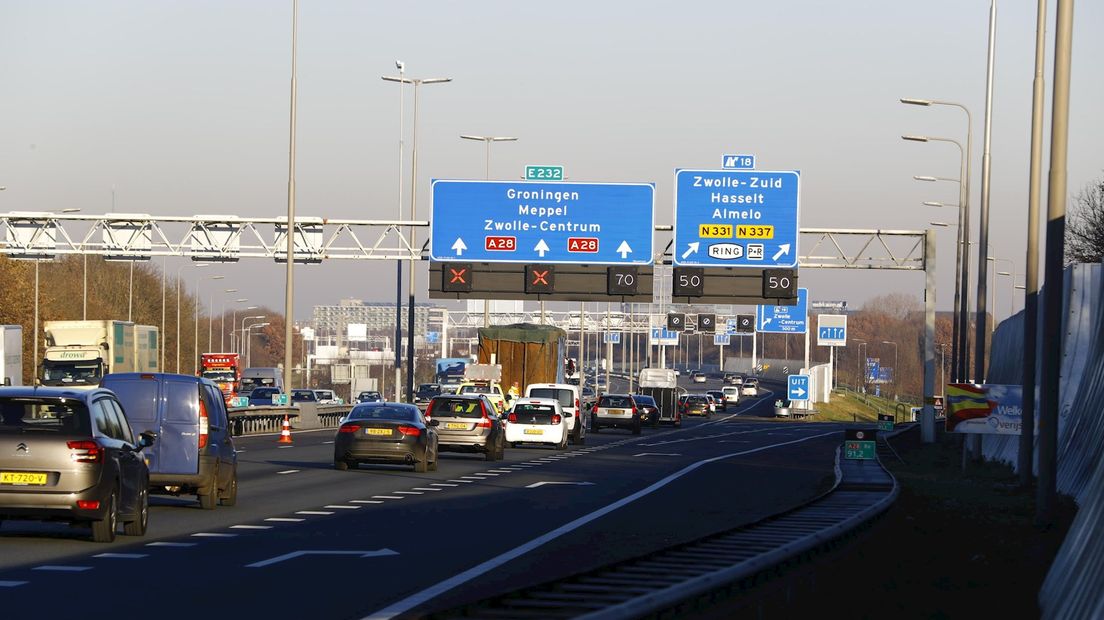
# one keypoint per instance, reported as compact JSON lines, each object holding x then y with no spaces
{"x":79,"y":353}
{"x":225,"y":370}
{"x":528,"y":353}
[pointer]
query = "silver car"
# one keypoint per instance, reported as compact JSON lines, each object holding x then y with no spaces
{"x":616,"y":411}
{"x":468,"y":423}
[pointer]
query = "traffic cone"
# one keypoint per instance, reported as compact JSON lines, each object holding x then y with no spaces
{"x":285,"y":433}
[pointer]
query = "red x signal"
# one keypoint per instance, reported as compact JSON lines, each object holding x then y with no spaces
{"x":458,"y":275}
{"x":539,"y":276}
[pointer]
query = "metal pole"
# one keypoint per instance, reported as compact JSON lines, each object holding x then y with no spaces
{"x":927,"y":416}
{"x":609,"y":346}
{"x":1055,"y":248}
{"x":84,"y":296}
{"x":130,"y":294}
{"x":289,"y":291}
{"x":34,"y":355}
{"x":195,"y":337}
{"x":176,"y":367}
{"x":1031,"y":267}
{"x":487,"y":176}
{"x":398,"y":264}
{"x":983,"y":235}
{"x":413,"y":242}
{"x":161,"y":335}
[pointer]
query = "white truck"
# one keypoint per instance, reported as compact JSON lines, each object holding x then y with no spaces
{"x":662,"y":385}
{"x":11,"y":356}
{"x":79,"y":353}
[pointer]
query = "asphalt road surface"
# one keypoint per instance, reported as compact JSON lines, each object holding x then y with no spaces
{"x":308,"y":541}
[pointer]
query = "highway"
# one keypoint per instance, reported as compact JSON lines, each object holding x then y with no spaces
{"x":308,"y":541}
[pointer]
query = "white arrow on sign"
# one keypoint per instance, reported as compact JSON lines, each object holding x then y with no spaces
{"x":459,"y":246}
{"x":783,"y":250}
{"x":624,"y":249}
{"x":541,"y":248}
{"x":544,"y":482}
{"x":800,"y":391}
{"x":691,"y":248}
{"x":295,"y":554}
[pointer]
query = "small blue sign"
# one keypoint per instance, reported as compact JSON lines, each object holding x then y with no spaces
{"x":539,"y":222}
{"x":612,"y":338}
{"x":783,"y":319}
{"x":664,"y":336}
{"x":832,"y":333}
{"x":736,"y":218}
{"x":797,"y":387}
{"x":721,"y":340}
{"x":738,"y":162}
{"x":873,"y":369}
{"x":433,"y":337}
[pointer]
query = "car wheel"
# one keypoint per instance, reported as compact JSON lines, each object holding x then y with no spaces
{"x":341,"y":465}
{"x":208,"y":499}
{"x":138,"y":526}
{"x":580,"y":438}
{"x":231,"y":496}
{"x":103,"y":530}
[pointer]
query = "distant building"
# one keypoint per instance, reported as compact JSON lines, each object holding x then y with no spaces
{"x":364,"y":322}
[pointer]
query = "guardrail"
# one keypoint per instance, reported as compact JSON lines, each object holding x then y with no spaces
{"x":270,"y":419}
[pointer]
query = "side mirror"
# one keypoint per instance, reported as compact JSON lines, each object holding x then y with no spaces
{"x":146,"y":439}
{"x":433,"y":422}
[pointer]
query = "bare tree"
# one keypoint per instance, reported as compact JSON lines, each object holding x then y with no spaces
{"x":1085,"y":225}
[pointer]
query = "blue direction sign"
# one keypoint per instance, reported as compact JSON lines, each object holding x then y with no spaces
{"x":736,"y":218}
{"x":783,"y":319}
{"x":531,"y":222}
{"x":797,"y":387}
{"x":721,"y":339}
{"x":738,"y":162}
{"x":612,"y":338}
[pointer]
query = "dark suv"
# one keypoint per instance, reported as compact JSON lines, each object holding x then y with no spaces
{"x":468,"y":423}
{"x":425,"y":393}
{"x":195,"y":453}
{"x":69,"y":455}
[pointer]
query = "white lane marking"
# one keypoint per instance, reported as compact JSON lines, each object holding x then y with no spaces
{"x":122,"y":556}
{"x":62,"y":569}
{"x":531,"y":463}
{"x":326,"y":442}
{"x":238,"y":450}
{"x":12,"y":584}
{"x":657,"y":454}
{"x":470,"y":478}
{"x":544,"y":482}
{"x":484,"y":473}
{"x":388,"y":497}
{"x":170,"y":544}
{"x":500,"y":471}
{"x":313,"y":512}
{"x":284,"y":447}
{"x":288,"y":471}
{"x":284,"y":520}
{"x":444,"y":484}
{"x":703,"y":437}
{"x":341,"y":507}
{"x":407,"y":492}
{"x":365,"y":501}
{"x":251,"y":527}
{"x":427,"y":594}
{"x":296,"y":554}
{"x":213,"y":535}
{"x":427,"y":489}
{"x":462,"y":481}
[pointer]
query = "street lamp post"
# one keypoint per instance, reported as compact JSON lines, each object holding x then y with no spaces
{"x":211,"y":316}
{"x":859,"y":377}
{"x":895,"y":368}
{"x":401,"y":66}
{"x":178,"y":270}
{"x":222,"y":320}
{"x":487,"y":175}
{"x":233,"y":322}
{"x":249,"y":343}
{"x":195,"y":340}
{"x":241,"y":345}
{"x":960,"y":250}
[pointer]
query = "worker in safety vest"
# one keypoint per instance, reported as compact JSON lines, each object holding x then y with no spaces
{"x":515,"y":391}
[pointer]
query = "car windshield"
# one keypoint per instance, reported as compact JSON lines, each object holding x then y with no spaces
{"x":263,"y":393}
{"x":476,"y":389}
{"x":255,"y":382}
{"x":303,"y":396}
{"x":384,"y":412}
{"x":566,"y":397}
{"x":615,"y":401}
{"x":71,"y":373}
{"x":219,"y":376}
{"x":62,"y":415}
{"x":644,"y":400}
{"x":456,"y":408}
{"x":369,"y":396}
{"x":530,"y":409}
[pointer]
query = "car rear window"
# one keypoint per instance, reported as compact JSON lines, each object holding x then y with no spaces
{"x":475,"y":389}
{"x":456,"y":408}
{"x":698,"y":399}
{"x":566,"y":397}
{"x":644,"y":400}
{"x":528,"y":408}
{"x":19,"y":415}
{"x":615,"y":401}
{"x":263,"y":392}
{"x":401,"y":414}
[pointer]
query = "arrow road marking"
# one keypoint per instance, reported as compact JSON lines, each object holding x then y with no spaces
{"x":624,"y":250}
{"x":541,"y":248}
{"x":459,"y":246}
{"x":691,"y":248}
{"x":543,"y":482}
{"x":295,"y":554}
{"x":783,"y":250}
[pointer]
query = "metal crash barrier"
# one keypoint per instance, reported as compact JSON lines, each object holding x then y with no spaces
{"x":270,"y":419}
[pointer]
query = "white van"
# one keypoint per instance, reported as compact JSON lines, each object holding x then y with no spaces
{"x":568,"y":397}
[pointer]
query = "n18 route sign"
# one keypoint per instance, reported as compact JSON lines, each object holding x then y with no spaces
{"x":736,"y":218}
{"x":531,"y":222}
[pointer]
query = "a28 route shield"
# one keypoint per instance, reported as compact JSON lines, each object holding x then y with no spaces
{"x":736,"y":218}
{"x":538,"y":222}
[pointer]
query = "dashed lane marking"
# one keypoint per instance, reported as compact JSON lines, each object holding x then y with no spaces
{"x":387,"y":497}
{"x":288,"y":471}
{"x":313,"y":512}
{"x":12,"y":584}
{"x":122,"y":556}
{"x":251,"y":527}
{"x":462,"y":481}
{"x":284,"y":520}
{"x":407,"y":492}
{"x":62,"y":569}
{"x":213,"y":535}
{"x":365,"y":501}
{"x":444,"y":484}
{"x":341,"y":507}
{"x":427,"y":489}
{"x":173,"y":544}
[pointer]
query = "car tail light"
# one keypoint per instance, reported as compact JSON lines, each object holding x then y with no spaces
{"x":203,"y":423}
{"x":349,"y":428}
{"x":512,"y":418}
{"x":577,"y":405}
{"x":556,"y":418}
{"x":634,"y":410}
{"x":87,"y":451}
{"x":88,"y":504}
{"x":486,"y":421}
{"x":595,"y":409}
{"x":410,"y":431}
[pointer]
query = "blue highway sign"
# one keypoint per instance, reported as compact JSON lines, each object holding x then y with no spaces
{"x":736,"y":218}
{"x":783,"y":319}
{"x":738,"y":162}
{"x":721,"y":339}
{"x":797,"y":387}
{"x":612,"y":338}
{"x":531,"y":222}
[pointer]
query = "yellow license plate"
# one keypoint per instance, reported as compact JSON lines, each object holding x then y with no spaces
{"x":457,"y":425}
{"x":379,"y":431}
{"x":715,"y":231}
{"x":748,"y":231}
{"x":21,"y":478}
{"x":534,"y":431}
{"x":616,"y":411}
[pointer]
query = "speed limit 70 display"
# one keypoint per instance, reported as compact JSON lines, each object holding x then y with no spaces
{"x":779,"y":283}
{"x":688,"y":282}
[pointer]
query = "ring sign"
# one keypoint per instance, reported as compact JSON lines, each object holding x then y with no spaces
{"x":736,"y":218}
{"x":542,"y":222}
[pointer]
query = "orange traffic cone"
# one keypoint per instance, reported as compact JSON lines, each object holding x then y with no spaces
{"x":285,"y":433}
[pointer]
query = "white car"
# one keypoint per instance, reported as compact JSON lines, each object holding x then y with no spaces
{"x":537,"y":420}
{"x":568,"y":397}
{"x":750,"y":387}
{"x":698,"y":377}
{"x":731,"y":396}
{"x":327,"y":397}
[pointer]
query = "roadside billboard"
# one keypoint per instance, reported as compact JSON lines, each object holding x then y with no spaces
{"x":990,"y":408}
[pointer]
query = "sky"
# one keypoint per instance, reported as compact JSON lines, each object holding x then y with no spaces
{"x":182,"y":108}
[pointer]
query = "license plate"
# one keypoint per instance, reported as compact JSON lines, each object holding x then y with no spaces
{"x":616,"y":412}
{"x":379,"y":431}
{"x":21,"y":478}
{"x":534,"y":431}
{"x":457,"y":426}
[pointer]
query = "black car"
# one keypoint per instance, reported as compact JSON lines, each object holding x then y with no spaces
{"x":425,"y":393}
{"x":649,"y":410}
{"x":386,"y":433}
{"x":369,"y":396}
{"x":71,"y":455}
